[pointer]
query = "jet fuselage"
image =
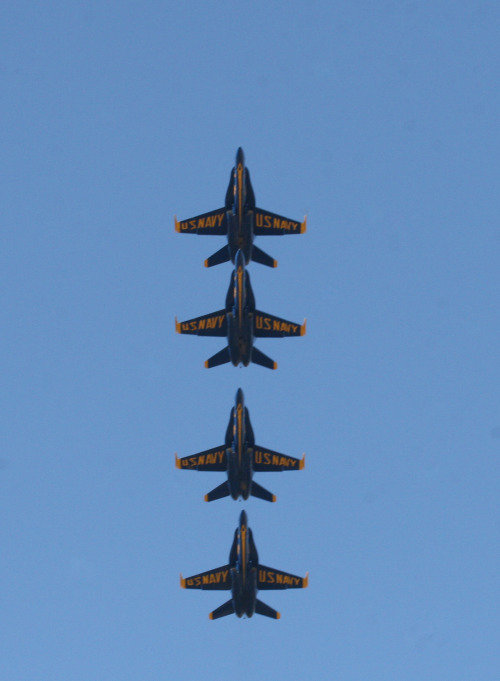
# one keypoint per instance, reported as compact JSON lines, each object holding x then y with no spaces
{"x":240,"y":308}
{"x":239,"y":453}
{"x":240,"y":205}
{"x":244,"y":562}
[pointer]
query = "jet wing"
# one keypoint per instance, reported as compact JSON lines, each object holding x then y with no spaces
{"x":265,"y":460}
{"x":210,"y":460}
{"x":218,"y":579}
{"x":269,"y":326}
{"x":214,"y":222}
{"x":273,"y":224}
{"x":268,"y":578}
{"x":213,"y":324}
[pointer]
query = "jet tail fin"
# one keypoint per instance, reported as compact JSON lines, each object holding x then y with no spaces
{"x":221,"y":357}
{"x":259,"y":357}
{"x":263,"y":609}
{"x":226,"y":608}
{"x":261,"y":493}
{"x":263,"y":258}
{"x":219,"y":257}
{"x":218,"y":493}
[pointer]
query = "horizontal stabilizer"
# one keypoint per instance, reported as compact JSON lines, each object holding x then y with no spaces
{"x":261,"y":493}
{"x":269,"y":326}
{"x":226,"y":608}
{"x":259,"y":256}
{"x":221,"y":357}
{"x":219,"y":257}
{"x":267,"y":461}
{"x":259,"y":357}
{"x":218,"y":493}
{"x":263,"y":609}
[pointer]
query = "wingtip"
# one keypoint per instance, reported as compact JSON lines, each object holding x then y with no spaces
{"x":278,"y":615}
{"x":205,"y":262}
{"x":302,"y":463}
{"x":275,"y":263}
{"x":207,"y":365}
{"x":183,"y":581}
{"x":177,"y":461}
{"x":303,"y":328}
{"x":305,"y":581}
{"x":275,"y":365}
{"x":177,"y":224}
{"x":274,"y":498}
{"x":177,"y":326}
{"x":303,"y":225}
{"x":210,"y":615}
{"x":205,"y":498}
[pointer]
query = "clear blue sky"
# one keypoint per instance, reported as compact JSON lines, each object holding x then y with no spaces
{"x":380,"y":121}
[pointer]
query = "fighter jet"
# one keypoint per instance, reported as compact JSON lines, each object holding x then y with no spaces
{"x":240,"y":457}
{"x":240,"y":322}
{"x":240,"y":221}
{"x":244,"y":576}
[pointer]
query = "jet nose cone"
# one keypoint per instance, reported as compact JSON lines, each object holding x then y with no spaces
{"x":240,"y":156}
{"x":243,"y":518}
{"x":239,"y":396}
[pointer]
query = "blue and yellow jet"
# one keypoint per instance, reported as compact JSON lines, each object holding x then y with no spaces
{"x":240,"y":457}
{"x":240,"y":322}
{"x":244,"y":576}
{"x":240,"y":221}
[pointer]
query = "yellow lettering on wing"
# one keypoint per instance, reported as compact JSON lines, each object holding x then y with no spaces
{"x":285,"y":225}
{"x":263,"y":323}
{"x":284,"y":327}
{"x":266,"y":577}
{"x":215,"y":577}
{"x":279,"y":460}
{"x":205,"y":222}
{"x":194,"y":581}
{"x":202,"y":324}
{"x":266,"y":221}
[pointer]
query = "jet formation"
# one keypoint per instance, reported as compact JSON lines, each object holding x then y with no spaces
{"x":240,"y":221}
{"x":244,"y":576}
{"x":240,"y":458}
{"x":240,"y":322}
